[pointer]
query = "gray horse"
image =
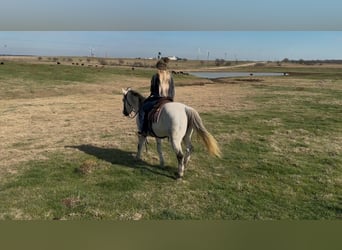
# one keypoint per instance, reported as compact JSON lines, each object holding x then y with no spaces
{"x":177,"y":122}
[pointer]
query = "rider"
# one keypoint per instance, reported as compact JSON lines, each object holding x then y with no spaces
{"x":161,"y":86}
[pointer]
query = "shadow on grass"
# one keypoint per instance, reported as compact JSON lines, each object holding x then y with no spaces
{"x":124,"y":158}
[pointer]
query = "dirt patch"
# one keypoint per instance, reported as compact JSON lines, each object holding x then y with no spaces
{"x":214,"y":97}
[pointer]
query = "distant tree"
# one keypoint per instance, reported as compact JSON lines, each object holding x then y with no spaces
{"x":219,"y":62}
{"x":259,"y":64}
{"x":102,"y":61}
{"x":138,"y":64}
{"x":285,"y":60}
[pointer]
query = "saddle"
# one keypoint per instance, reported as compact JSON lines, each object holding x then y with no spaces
{"x":153,"y":115}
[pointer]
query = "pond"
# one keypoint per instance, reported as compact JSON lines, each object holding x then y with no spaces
{"x":212,"y":75}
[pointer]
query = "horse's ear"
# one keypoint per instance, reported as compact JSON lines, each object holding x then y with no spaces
{"x":124,"y":91}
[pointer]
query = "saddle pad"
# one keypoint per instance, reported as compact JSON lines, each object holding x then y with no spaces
{"x":153,"y":115}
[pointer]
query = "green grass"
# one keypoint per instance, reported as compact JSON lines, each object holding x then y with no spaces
{"x":52,"y":74}
{"x":25,"y":80}
{"x":298,"y":177}
{"x":304,"y":72}
{"x":281,"y":160}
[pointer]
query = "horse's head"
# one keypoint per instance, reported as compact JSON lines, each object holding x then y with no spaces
{"x":128,"y":109}
{"x":131,"y":102}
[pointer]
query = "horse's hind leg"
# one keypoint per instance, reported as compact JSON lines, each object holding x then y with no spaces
{"x":180,"y":158}
{"x":177,"y":147}
{"x":159,"y":149}
{"x":188,"y":145}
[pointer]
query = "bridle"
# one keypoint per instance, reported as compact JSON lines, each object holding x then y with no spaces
{"x":131,"y":107}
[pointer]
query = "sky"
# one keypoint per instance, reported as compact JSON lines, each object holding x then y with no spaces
{"x":228,"y":45}
{"x":193,"y":29}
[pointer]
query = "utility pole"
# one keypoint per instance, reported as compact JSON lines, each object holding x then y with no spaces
{"x":91,"y":52}
{"x":208,"y":57}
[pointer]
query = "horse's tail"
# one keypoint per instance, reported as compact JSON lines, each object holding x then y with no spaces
{"x":195,"y":122}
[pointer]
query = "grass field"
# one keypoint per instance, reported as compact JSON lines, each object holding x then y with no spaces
{"x":67,"y":152}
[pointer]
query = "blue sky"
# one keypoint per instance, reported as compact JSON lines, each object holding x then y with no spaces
{"x":227,"y":29}
{"x":230,"y":45}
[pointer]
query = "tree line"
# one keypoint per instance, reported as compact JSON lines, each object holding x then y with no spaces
{"x":313,"y":62}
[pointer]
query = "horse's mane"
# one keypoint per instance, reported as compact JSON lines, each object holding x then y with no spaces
{"x":135,"y":93}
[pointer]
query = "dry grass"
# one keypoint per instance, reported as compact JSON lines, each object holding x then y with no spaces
{"x":30,"y":128}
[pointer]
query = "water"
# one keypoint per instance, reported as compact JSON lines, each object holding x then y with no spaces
{"x":212,"y":75}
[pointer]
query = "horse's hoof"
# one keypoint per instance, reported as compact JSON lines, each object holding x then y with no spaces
{"x":178,"y":176}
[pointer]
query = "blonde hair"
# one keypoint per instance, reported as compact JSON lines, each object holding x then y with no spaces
{"x":164,"y":78}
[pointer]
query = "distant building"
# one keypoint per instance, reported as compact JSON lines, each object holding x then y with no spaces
{"x":173,"y":58}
